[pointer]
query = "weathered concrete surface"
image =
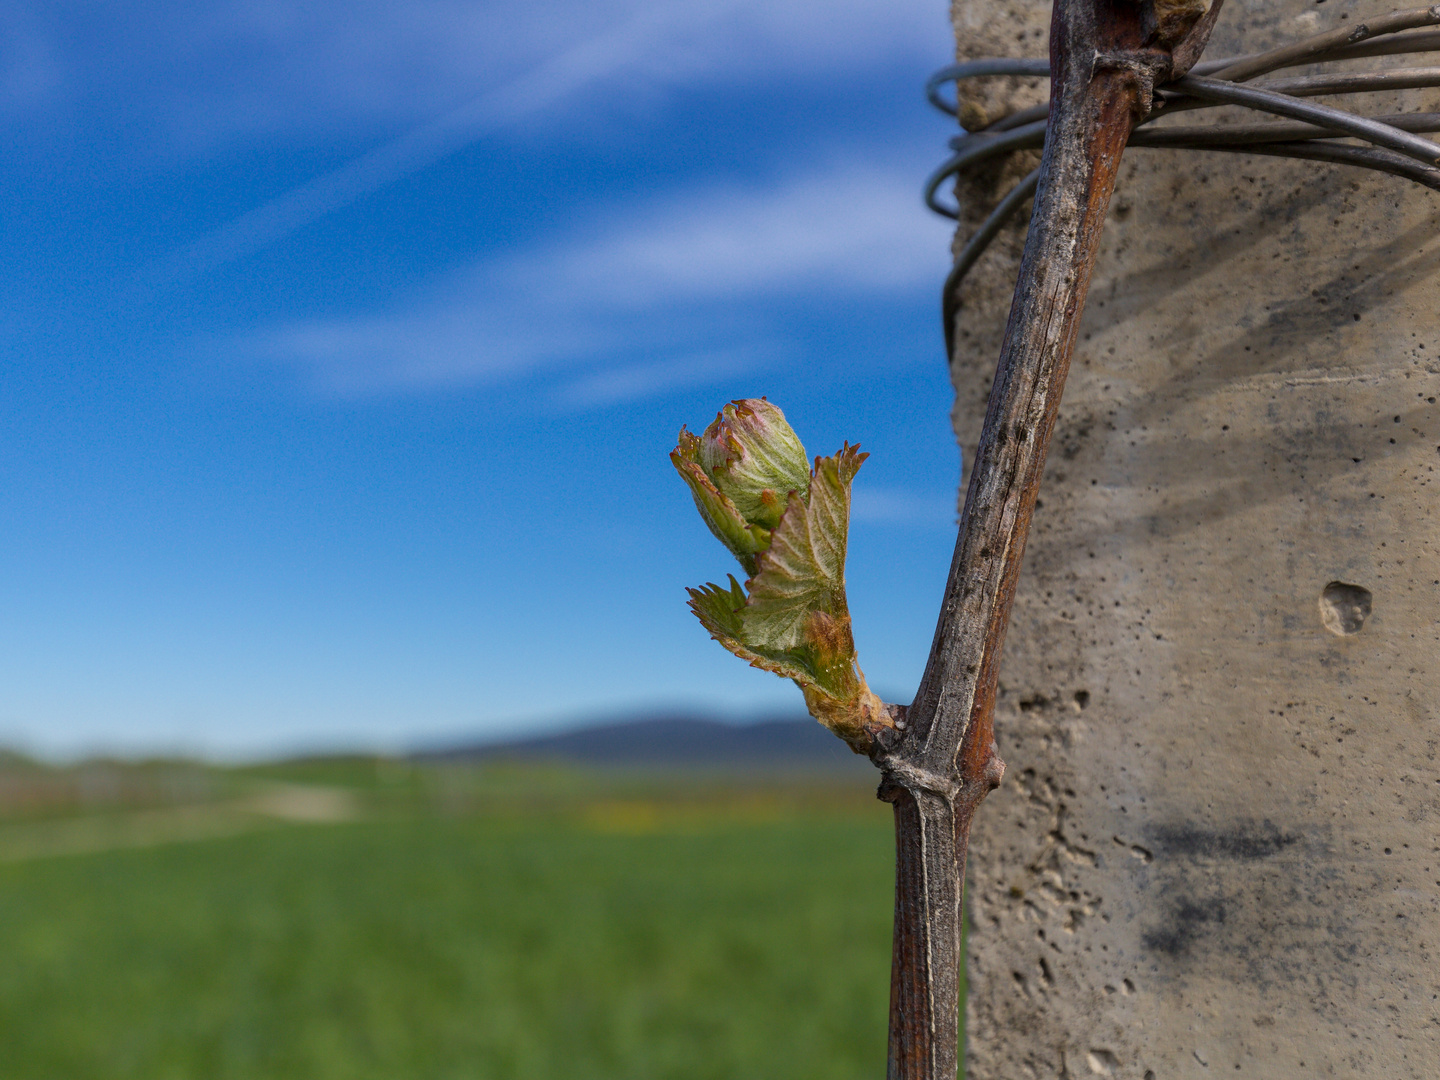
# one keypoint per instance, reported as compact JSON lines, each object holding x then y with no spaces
{"x":1217,"y":848}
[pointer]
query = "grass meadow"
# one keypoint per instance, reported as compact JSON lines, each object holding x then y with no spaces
{"x":377,"y":919}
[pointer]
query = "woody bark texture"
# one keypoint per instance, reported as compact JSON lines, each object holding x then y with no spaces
{"x":1105,"y":57}
{"x":1214,"y":847}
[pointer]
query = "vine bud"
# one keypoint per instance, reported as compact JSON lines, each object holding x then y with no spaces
{"x":755,"y":459}
{"x":741,"y":471}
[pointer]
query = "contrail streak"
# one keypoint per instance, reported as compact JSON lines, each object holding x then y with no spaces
{"x":538,"y":89}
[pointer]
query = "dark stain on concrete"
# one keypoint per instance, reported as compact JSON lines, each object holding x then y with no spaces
{"x":1220,"y":890}
{"x":1244,"y":842}
{"x":1188,"y":921}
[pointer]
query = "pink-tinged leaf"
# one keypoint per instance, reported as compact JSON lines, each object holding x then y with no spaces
{"x":803,"y":569}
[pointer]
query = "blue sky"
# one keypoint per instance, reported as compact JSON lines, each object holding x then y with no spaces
{"x":344,"y":346}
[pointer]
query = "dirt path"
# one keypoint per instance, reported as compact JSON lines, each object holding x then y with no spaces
{"x":274,"y":804}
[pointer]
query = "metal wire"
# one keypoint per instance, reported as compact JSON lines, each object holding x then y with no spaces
{"x":973,"y":69}
{"x":1390,"y":44}
{"x":1365,"y":157}
{"x":1304,"y":141}
{"x":975,"y":247}
{"x":1312,"y":49}
{"x":1325,"y":116}
{"x":1304,"y":86}
{"x":1393,"y":44}
{"x":1199,"y":137}
{"x":1418,"y":42}
{"x":973,"y":150}
{"x":1355,"y":82}
{"x":1397,"y":148}
{"x":1024,"y":116}
{"x":982,"y":146}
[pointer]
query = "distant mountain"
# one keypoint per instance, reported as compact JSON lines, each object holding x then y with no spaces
{"x":679,"y":742}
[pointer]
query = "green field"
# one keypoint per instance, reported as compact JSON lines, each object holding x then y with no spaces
{"x":364,"y":919}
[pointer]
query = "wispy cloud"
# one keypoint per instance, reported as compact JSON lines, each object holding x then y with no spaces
{"x":276,"y":66}
{"x":856,"y":227}
{"x":649,"y":285}
{"x":534,"y":91}
{"x":897,"y":506}
{"x":615,"y":385}
{"x":641,"y":47}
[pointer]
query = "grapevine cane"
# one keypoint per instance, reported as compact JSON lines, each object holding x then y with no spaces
{"x":1106,"y":58}
{"x":786,"y":521}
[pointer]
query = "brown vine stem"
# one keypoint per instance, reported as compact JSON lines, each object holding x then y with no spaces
{"x":940,"y":761}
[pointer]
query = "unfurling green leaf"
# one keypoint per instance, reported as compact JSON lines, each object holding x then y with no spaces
{"x":788,"y":527}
